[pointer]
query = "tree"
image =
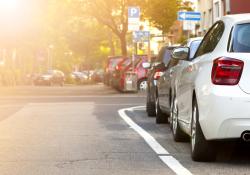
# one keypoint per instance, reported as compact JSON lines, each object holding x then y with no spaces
{"x":161,"y":13}
{"x":113,"y":14}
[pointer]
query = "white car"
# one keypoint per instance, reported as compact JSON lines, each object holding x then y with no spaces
{"x":211,"y":97}
{"x":166,"y":82}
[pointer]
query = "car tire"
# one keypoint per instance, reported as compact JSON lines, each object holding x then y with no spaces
{"x":160,"y":116}
{"x":151,"y":109}
{"x":150,"y":106}
{"x":178,"y":134}
{"x":201,"y":149}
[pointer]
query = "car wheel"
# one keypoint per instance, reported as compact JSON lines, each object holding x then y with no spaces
{"x":150,"y":106}
{"x":160,"y":116}
{"x":178,"y":134}
{"x":142,"y":85}
{"x":151,"y":109}
{"x":201,"y":149}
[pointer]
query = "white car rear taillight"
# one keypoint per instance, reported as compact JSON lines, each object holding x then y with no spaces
{"x":227,"y":71}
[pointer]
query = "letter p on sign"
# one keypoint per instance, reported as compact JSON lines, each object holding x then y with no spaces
{"x":133,"y":12}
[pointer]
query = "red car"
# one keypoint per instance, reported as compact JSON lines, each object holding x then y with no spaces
{"x":110,"y":68}
{"x":126,"y":66}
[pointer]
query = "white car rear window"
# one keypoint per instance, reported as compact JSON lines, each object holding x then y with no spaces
{"x":241,"y":38}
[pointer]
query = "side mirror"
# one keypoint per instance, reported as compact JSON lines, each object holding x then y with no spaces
{"x":181,"y":53}
{"x":146,"y":65}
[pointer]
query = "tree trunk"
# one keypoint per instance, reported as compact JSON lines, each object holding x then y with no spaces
{"x":123,"y":44}
{"x":111,"y":44}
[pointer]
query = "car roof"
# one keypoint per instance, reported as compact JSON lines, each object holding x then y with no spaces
{"x":237,"y":18}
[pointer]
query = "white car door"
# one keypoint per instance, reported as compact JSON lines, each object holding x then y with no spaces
{"x":190,"y":70}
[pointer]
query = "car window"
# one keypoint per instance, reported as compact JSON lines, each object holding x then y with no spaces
{"x":161,"y":54}
{"x":167,"y":56}
{"x":241,"y":41}
{"x":193,"y":48}
{"x":126,"y":62}
{"x":211,"y":39}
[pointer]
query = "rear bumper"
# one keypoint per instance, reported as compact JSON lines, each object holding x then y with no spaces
{"x":224,"y":113}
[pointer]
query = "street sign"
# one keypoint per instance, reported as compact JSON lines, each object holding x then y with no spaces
{"x":134,"y":12}
{"x":133,"y":18}
{"x":189,"y":16}
{"x":141,"y":36}
{"x":189,"y":25}
{"x":133,"y":26}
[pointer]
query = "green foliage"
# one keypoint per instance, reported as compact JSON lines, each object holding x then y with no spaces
{"x":161,"y":13}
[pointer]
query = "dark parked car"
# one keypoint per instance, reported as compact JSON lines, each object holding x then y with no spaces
{"x":155,"y":70}
{"x":166,"y":82}
{"x":50,"y":78}
{"x":110,"y":68}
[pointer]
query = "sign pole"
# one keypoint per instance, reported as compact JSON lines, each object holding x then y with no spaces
{"x":149,"y":51}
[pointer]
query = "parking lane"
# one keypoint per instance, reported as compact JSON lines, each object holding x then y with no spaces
{"x":163,"y":154}
{"x":233,"y":157}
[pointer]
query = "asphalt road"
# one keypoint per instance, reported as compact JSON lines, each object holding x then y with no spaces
{"x":77,"y":130}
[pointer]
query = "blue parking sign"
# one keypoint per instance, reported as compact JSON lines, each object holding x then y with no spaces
{"x":141,"y":36}
{"x":133,"y":12}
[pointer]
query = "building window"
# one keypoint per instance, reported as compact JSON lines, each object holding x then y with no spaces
{"x":217,"y":10}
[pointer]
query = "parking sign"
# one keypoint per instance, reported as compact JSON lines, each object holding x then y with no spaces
{"x":133,"y":18}
{"x":134,"y":12}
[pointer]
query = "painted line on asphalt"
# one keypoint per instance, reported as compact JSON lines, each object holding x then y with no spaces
{"x":117,"y":104}
{"x":162,"y":153}
{"x":67,"y":96}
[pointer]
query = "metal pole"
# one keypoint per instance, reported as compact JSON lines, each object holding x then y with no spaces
{"x":133,"y":57}
{"x":149,"y":51}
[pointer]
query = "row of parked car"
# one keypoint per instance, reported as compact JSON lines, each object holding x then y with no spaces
{"x":57,"y":77}
{"x":118,"y":68}
{"x":203,"y":87}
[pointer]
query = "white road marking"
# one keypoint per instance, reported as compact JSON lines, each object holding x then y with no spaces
{"x":175,"y":165}
{"x":117,"y":104}
{"x":163,"y":154}
{"x":68,"y":96}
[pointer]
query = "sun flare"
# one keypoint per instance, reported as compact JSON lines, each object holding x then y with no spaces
{"x":9,"y":5}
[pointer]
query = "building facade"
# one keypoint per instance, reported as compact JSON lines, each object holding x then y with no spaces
{"x":213,"y":10}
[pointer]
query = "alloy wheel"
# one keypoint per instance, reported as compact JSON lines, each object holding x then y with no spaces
{"x":143,"y":85}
